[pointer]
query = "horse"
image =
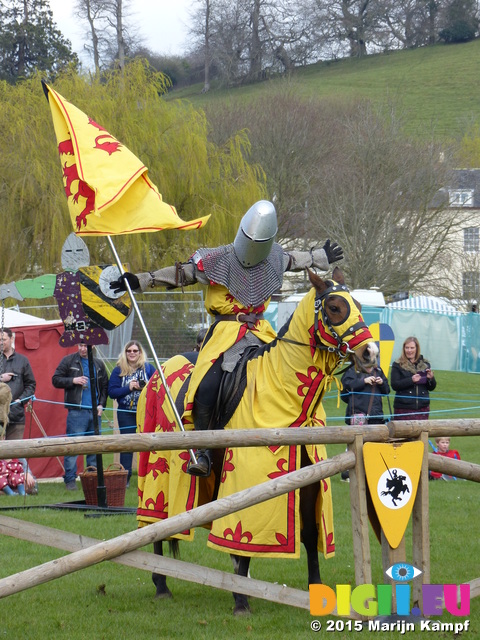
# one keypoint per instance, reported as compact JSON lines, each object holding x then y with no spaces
{"x":279,"y":383}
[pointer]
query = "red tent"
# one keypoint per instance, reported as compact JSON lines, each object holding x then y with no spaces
{"x":39,"y":342}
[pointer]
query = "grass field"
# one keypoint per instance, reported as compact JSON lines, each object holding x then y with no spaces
{"x":109,"y":601}
{"x":436,"y":86}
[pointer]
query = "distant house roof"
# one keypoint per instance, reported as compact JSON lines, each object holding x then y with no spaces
{"x":461,"y":180}
{"x":424,"y":303}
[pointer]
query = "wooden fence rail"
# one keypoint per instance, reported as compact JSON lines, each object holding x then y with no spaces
{"x":354,"y":437}
{"x":51,"y":447}
{"x":148,"y":561}
{"x":107,"y":550}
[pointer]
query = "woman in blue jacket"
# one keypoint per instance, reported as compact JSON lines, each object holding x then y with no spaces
{"x":125,"y":385}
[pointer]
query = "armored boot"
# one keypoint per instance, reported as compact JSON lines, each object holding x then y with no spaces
{"x":202,"y":415}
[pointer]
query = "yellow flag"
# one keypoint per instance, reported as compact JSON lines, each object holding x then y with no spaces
{"x":393,"y":473}
{"x":107,"y":186}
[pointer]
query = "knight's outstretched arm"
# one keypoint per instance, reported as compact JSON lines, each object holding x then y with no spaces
{"x":319,"y":258}
{"x":178,"y":275}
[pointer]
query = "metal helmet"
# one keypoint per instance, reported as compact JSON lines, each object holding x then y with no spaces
{"x":256,"y":233}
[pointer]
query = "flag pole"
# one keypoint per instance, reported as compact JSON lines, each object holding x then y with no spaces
{"x":178,"y":418}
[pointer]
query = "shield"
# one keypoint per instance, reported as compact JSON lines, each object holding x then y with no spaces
{"x":393,"y":473}
{"x":384,"y":337}
{"x":107,"y":311}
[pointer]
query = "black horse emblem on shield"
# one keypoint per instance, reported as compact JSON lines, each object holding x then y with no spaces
{"x":395,"y":485}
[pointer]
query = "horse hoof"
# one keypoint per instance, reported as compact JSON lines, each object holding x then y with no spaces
{"x":163,"y":595}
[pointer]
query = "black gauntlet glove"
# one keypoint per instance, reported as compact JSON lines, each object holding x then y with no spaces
{"x":119,"y":285}
{"x":333,"y":251}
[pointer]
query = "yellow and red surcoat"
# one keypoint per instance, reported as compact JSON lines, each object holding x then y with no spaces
{"x":223,"y":335}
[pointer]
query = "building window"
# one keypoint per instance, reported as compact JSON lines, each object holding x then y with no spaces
{"x":471,"y":239}
{"x":471,"y":285}
{"x":460,"y":197}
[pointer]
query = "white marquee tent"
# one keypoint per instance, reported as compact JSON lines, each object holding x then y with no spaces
{"x":13,"y":318}
{"x":424,"y":303}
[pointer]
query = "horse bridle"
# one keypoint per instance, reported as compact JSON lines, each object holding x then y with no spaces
{"x":341,"y":349}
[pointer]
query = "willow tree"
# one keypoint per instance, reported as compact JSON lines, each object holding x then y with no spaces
{"x":171,"y":138}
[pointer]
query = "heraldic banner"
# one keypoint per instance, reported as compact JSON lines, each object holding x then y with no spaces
{"x":107,"y":186}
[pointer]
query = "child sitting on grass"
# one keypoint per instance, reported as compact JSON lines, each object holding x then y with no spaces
{"x":443,"y":449}
{"x":12,"y":477}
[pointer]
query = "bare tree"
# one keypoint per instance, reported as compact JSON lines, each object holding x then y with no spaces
{"x":286,"y":132}
{"x":201,"y":17}
{"x":377,"y":199}
{"x":246,"y":39}
{"x":409,"y":23}
{"x":347,"y":170}
{"x":92,"y":12}
{"x":206,"y":84}
{"x":113,"y":37}
{"x":349,"y":21}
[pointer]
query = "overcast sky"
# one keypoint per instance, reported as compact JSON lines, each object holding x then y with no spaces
{"x":162,"y":24}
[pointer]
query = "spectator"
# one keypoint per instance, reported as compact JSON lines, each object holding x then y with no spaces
{"x":31,"y":484}
{"x":12,"y":478}
{"x":72,"y":375}
{"x":18,"y":375}
{"x":443,"y":449}
{"x":412,"y":380}
{"x":125,"y":385}
{"x":363,"y":392}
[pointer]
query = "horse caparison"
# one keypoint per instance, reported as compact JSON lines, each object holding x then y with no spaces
{"x":325,"y":330}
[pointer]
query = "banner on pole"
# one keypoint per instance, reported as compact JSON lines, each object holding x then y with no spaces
{"x":107,"y":186}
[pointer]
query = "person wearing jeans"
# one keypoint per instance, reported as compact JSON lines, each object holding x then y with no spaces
{"x":72,"y":375}
{"x":79,"y":423}
{"x":125,"y":385}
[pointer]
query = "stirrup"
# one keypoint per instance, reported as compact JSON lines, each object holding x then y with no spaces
{"x":202,"y":468}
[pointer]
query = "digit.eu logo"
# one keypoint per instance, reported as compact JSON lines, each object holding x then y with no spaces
{"x":370,"y":600}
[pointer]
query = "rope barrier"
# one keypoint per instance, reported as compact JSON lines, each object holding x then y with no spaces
{"x":108,"y":426}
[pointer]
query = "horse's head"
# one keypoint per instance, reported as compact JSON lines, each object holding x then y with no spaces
{"x":338,"y":322}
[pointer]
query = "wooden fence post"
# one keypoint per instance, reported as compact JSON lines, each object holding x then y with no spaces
{"x":421,"y":528}
{"x":358,"y":503}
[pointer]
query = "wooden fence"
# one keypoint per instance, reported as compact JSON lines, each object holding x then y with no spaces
{"x":86,"y":552}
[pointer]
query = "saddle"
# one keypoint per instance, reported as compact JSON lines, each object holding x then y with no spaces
{"x":232,"y":388}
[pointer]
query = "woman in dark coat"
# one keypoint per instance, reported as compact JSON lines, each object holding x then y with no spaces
{"x":412,"y":379}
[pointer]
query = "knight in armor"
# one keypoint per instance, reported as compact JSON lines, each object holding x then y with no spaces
{"x":241,"y":278}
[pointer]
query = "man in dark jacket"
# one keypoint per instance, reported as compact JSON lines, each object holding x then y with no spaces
{"x":72,"y":375}
{"x":16,"y":371}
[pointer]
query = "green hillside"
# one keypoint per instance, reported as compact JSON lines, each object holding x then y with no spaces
{"x":438,"y":87}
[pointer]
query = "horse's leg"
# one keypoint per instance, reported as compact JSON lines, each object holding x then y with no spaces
{"x":159,"y":580}
{"x":308,"y":499}
{"x":241,"y":565}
